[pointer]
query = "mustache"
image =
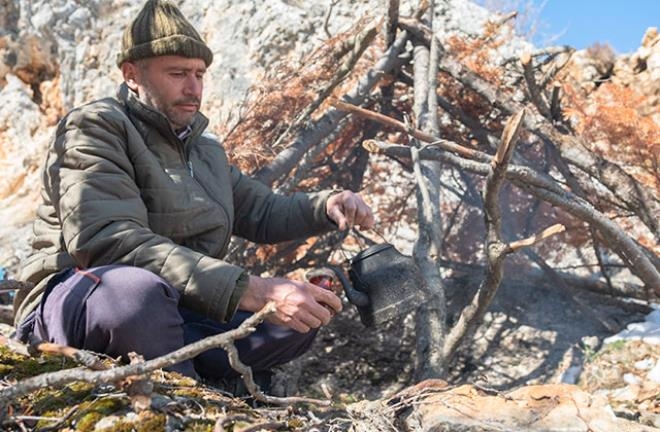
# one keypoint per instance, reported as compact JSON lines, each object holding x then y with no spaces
{"x":188,"y":101}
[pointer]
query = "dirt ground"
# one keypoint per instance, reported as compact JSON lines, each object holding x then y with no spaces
{"x":532,"y":335}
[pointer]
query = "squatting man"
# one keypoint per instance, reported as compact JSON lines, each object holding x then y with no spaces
{"x":138,"y":209}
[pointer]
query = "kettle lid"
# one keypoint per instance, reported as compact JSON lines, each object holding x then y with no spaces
{"x":371,"y":250}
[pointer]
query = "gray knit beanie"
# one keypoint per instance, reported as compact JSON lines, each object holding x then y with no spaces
{"x":161,"y":29}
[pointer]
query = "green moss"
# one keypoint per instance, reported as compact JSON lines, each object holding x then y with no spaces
{"x":200,"y":426}
{"x":149,"y":422}
{"x":54,"y":400}
{"x":153,"y":423}
{"x":189,"y":392}
{"x":10,"y":357}
{"x":89,"y":413}
{"x":35,"y":366}
{"x":616,"y":345}
{"x":8,"y":360}
{"x":87,"y":422}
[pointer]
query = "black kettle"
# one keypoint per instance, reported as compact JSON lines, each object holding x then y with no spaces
{"x":384,"y":284}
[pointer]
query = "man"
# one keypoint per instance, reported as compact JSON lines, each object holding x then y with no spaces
{"x":138,"y":210}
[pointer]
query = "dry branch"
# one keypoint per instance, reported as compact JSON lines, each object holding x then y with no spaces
{"x":535,"y":94}
{"x":85,"y":358}
{"x":391,"y":22}
{"x":536,"y":183}
{"x":361,"y":43}
{"x":609,"y":174}
{"x":410,"y":130}
{"x":431,"y":315}
{"x":536,"y":238}
{"x":326,"y":20}
{"x":495,"y":249}
{"x":114,"y":375}
{"x":546,"y":189}
{"x":313,"y":134}
{"x":612,"y":176}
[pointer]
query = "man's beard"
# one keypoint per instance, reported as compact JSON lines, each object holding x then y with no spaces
{"x":176,"y":118}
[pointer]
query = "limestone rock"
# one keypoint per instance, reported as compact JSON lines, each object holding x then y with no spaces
{"x":559,"y":407}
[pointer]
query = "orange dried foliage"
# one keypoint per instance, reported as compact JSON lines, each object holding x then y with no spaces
{"x":477,"y":53}
{"x":283,"y":95}
{"x":51,"y":100}
{"x":612,"y":126}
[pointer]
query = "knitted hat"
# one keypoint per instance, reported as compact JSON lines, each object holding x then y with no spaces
{"x":161,"y":29}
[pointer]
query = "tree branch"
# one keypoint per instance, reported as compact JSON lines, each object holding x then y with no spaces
{"x":312,"y":135}
{"x":536,"y":183}
{"x":113,"y":375}
{"x":495,"y":249}
{"x":361,"y":43}
{"x":391,"y":22}
{"x":535,"y":94}
{"x":536,"y":238}
{"x":612,"y":176}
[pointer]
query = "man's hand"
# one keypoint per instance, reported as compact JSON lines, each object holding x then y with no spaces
{"x":347,"y":209}
{"x":298,"y":305}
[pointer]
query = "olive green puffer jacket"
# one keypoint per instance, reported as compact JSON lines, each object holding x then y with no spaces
{"x":119,"y":187}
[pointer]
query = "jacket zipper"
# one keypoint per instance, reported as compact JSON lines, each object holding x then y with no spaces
{"x":189,"y":164}
{"x":190,"y":169}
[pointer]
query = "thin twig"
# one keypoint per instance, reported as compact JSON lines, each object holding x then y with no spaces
{"x":536,"y":238}
{"x":416,"y":133}
{"x":391,"y":22}
{"x":35,"y":345}
{"x":326,"y":20}
{"x":421,"y":10}
{"x":535,"y":94}
{"x":246,"y":373}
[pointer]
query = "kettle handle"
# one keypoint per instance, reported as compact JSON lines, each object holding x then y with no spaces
{"x":358,"y":298}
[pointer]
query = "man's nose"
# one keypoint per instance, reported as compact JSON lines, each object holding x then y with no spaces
{"x":193,"y":86}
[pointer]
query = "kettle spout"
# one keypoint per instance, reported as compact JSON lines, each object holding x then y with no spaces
{"x":358,"y":298}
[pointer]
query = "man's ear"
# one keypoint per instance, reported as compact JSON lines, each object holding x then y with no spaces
{"x":130,"y":70}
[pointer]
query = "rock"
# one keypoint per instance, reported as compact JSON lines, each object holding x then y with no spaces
{"x":533,"y":408}
{"x":591,"y":342}
{"x":654,"y":374}
{"x":616,"y":373}
{"x":645,"y":364}
{"x":641,"y":72}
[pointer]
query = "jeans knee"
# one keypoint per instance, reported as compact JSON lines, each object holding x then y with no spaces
{"x":132,"y":309}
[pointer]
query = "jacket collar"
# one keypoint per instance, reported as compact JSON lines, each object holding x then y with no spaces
{"x":154,"y":118}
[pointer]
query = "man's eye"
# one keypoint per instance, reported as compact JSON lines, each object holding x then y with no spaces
{"x":178,"y":74}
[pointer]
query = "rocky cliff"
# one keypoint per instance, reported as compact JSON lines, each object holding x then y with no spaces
{"x":57,"y":54}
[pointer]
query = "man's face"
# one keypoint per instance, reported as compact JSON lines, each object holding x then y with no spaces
{"x":171,"y":84}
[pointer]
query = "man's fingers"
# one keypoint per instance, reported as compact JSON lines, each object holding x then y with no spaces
{"x":336,"y":215}
{"x":365,"y":217}
{"x":327,"y":298}
{"x":348,"y":209}
{"x":291,"y":322}
{"x":299,"y":326}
